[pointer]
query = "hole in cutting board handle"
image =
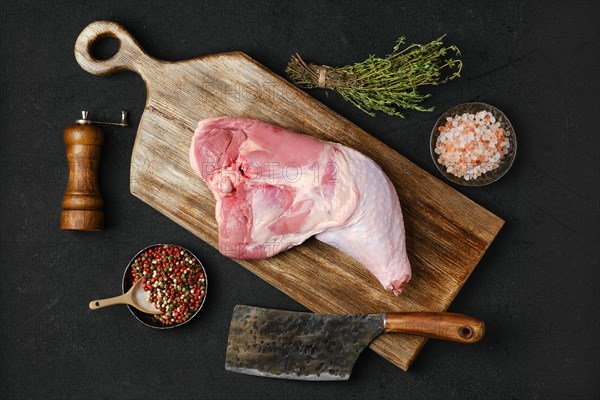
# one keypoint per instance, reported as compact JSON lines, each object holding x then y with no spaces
{"x":104,"y":47}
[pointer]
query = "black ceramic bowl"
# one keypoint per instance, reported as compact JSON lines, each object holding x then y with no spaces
{"x":148,"y":319}
{"x":506,"y":161}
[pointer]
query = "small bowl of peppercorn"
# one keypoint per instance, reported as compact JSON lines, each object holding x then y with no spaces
{"x":174,"y":280}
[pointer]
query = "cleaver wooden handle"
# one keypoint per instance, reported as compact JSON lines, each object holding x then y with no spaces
{"x":445,"y":326}
{"x":130,"y":55}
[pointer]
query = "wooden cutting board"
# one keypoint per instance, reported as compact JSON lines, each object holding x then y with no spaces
{"x":447,"y":233}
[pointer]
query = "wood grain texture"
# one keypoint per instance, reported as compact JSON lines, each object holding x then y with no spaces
{"x":447,"y":233}
{"x":82,"y":202}
{"x":446,"y":326}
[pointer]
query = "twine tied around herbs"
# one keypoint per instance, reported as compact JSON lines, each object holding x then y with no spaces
{"x":385,"y":84}
{"x":322,"y":74}
{"x":317,"y":75}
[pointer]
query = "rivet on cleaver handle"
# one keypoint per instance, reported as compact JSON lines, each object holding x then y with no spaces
{"x":307,"y":346}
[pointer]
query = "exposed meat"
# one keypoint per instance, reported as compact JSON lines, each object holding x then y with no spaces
{"x":275,"y":189}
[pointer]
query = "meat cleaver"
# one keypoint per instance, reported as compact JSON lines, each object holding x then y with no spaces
{"x":324,"y":347}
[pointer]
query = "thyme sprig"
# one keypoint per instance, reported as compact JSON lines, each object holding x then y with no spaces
{"x":385,"y":84}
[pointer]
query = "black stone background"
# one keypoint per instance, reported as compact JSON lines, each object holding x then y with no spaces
{"x":536,"y":287}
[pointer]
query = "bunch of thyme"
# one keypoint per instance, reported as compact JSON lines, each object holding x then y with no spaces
{"x":383,"y":84}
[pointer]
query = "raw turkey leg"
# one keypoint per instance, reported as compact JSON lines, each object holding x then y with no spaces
{"x":275,"y":188}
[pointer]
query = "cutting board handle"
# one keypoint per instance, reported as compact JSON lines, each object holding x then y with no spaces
{"x":446,"y":326}
{"x":129,"y":56}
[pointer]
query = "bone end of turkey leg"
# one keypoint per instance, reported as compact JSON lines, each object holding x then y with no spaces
{"x":275,"y":188}
{"x":374,"y":235}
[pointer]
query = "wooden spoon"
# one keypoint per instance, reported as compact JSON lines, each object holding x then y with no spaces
{"x":135,"y":297}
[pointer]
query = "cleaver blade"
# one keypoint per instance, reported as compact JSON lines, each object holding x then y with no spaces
{"x":324,"y":347}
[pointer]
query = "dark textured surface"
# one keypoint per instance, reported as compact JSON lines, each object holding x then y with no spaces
{"x":536,"y":288}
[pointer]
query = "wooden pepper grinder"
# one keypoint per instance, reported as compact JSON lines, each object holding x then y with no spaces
{"x":82,"y":203}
